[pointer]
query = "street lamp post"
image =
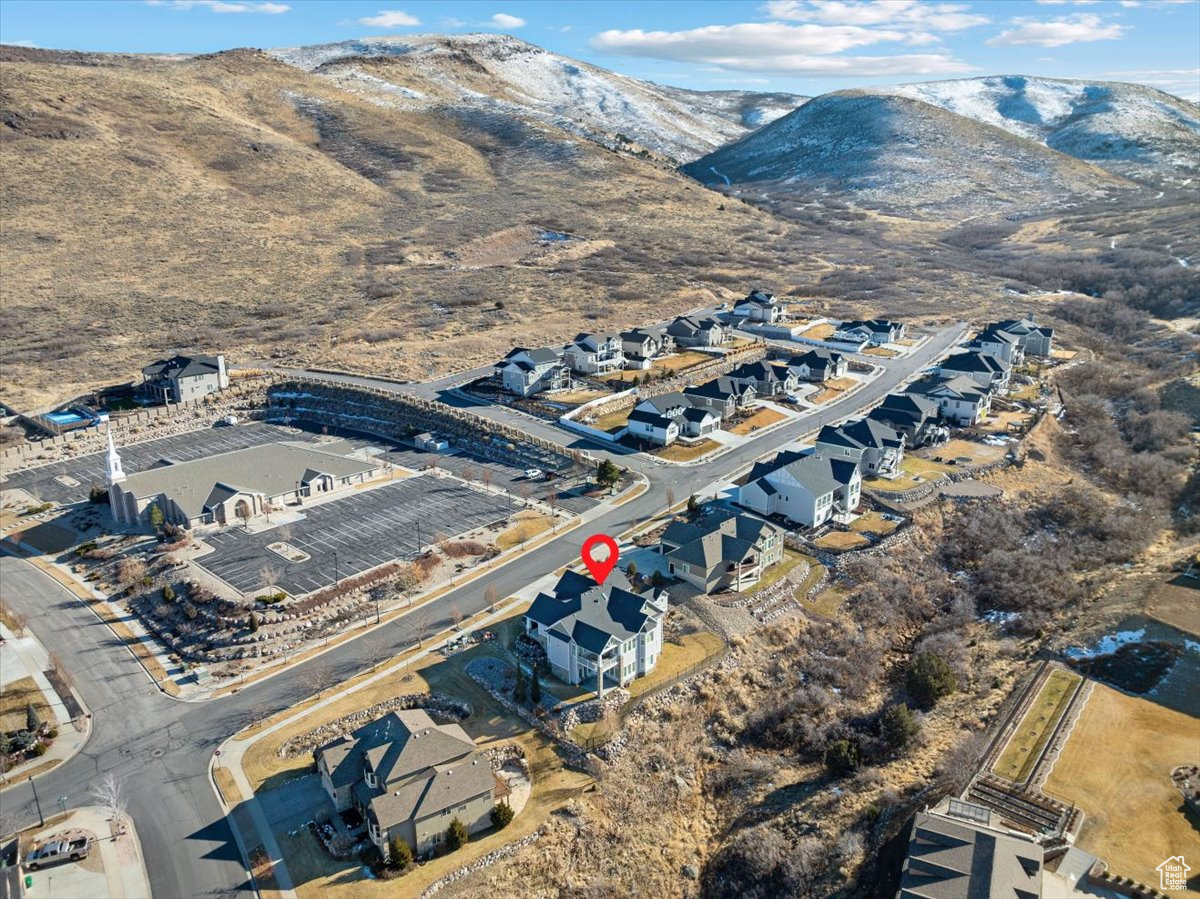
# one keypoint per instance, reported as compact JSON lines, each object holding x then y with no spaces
{"x":336,"y":576}
{"x":37,"y":802}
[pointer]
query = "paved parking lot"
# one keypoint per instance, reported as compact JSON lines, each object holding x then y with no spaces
{"x":70,"y":481}
{"x":362,"y":531}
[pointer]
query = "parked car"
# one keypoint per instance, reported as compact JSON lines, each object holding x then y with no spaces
{"x":533,"y":474}
{"x":59,"y":851}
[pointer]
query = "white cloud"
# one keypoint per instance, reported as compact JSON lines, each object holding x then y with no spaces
{"x":22,"y":43}
{"x":561,"y":29}
{"x":777,"y":48}
{"x":1070,"y":2}
{"x":504,"y":20}
{"x":222,"y":6}
{"x":390,"y":18}
{"x":1074,"y":29}
{"x":912,"y":13}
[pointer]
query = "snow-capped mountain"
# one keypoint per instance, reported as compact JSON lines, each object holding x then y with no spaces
{"x":896,"y":153}
{"x":1126,"y":128}
{"x":504,"y":73}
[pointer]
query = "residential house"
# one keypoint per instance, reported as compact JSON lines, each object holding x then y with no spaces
{"x":767,"y":378}
{"x":956,"y":852}
{"x":640,"y":345}
{"x":595,"y":353}
{"x":760,"y":306}
{"x":688,"y":331}
{"x":606,"y":634}
{"x":876,"y":448}
{"x":525,"y":371}
{"x":913,"y":416}
{"x":876,"y":330}
{"x":819,"y":365}
{"x":722,"y":550}
{"x":409,"y":778}
{"x":988,"y":371}
{"x":1036,"y":340}
{"x":234,"y":487}
{"x":664,"y":418}
{"x":960,"y":400}
{"x":1000,"y":344}
{"x":184,"y":378}
{"x":723,"y":395}
{"x":808,"y":488}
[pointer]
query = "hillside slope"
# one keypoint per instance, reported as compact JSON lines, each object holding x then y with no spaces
{"x":495,"y":72}
{"x":1129,"y":129}
{"x":899,"y":154}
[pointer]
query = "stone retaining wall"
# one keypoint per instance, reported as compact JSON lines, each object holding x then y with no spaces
{"x":436,"y":703}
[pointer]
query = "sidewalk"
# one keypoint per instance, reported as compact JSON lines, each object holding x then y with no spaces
{"x":25,"y":657}
{"x":114,"y":870}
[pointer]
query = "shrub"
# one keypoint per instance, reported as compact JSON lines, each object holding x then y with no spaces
{"x":456,"y":835}
{"x":535,"y":687}
{"x":899,"y":725}
{"x":38,"y":750}
{"x":98,"y":494}
{"x":399,"y":854}
{"x":253,"y":623}
{"x":843,"y":756}
{"x":33,"y":721}
{"x":502,"y":816}
{"x":168,"y":593}
{"x":930,"y":678}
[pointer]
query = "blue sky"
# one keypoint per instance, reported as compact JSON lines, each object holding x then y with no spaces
{"x":804,"y":46}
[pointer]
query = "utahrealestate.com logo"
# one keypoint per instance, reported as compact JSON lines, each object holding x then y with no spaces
{"x":1172,"y":874}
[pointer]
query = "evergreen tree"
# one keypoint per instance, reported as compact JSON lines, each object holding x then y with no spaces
{"x":693,"y":504}
{"x":535,"y":686}
{"x":156,"y":517}
{"x":400,"y":856}
{"x":502,"y":816}
{"x":33,"y":721}
{"x":631,"y":570}
{"x":930,"y":678}
{"x":519,"y":688}
{"x":456,"y":835}
{"x":842,"y":756}
{"x":899,"y":725}
{"x":253,"y":623}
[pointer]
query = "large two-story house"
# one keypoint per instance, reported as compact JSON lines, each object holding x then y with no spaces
{"x":1000,"y":344}
{"x":688,"y":331}
{"x":604,"y":634}
{"x":1036,"y":340}
{"x":914,"y":416}
{"x":767,"y":378}
{"x":761,"y":306}
{"x":409,"y":778}
{"x":722,"y":550}
{"x":595,"y":353}
{"x":960,"y":400}
{"x":876,"y":330}
{"x":876,"y":448}
{"x":640,"y":345}
{"x":183,"y":379}
{"x":723,"y":395}
{"x":809,"y":489}
{"x":818,"y":365}
{"x":665,"y":418}
{"x":525,"y":371}
{"x":988,"y":371}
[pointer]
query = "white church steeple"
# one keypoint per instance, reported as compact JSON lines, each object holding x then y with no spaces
{"x":116,"y":473}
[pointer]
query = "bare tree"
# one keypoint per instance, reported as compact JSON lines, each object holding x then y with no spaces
{"x":552,"y":502}
{"x":523,"y":492}
{"x":130,"y":570}
{"x":109,"y":792}
{"x":377,"y":651}
{"x":258,"y":713}
{"x":267,"y":508}
{"x":269,"y":574}
{"x":419,"y":619}
{"x":486,"y":479}
{"x":322,"y":677}
{"x":456,"y":616}
{"x":467,"y":473}
{"x":490,"y":596}
{"x":670,"y":499}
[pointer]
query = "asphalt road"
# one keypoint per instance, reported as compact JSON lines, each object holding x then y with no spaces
{"x":161,"y":747}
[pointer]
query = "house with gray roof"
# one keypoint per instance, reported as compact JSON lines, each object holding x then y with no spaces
{"x":988,"y":371}
{"x":640,"y":345}
{"x":767,"y":378}
{"x":912,"y":415}
{"x":723,"y":395}
{"x":818,"y":365}
{"x":689,"y":331}
{"x":409,"y":778}
{"x":875,"y":330}
{"x":604,"y":634}
{"x":875,"y":447}
{"x":184,"y":378}
{"x":721,"y":550}
{"x":664,"y":418}
{"x":960,"y":399}
{"x":595,"y":353}
{"x":808,"y":488}
{"x":236,"y":486}
{"x":1000,"y":344}
{"x":761,"y":306}
{"x":1035,"y":339}
{"x":957,"y":852}
{"x":525,"y":371}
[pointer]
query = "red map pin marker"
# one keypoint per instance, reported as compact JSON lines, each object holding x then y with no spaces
{"x":600,"y":568}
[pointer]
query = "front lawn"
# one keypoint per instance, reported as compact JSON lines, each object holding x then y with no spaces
{"x":762,"y":418}
{"x":789,"y":561}
{"x":819,"y":332}
{"x":613,"y":421}
{"x":683,"y":452}
{"x":529,"y":525}
{"x":841,"y":541}
{"x":874,"y":523}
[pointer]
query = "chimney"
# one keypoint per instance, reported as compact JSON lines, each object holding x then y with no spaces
{"x":222,"y":373}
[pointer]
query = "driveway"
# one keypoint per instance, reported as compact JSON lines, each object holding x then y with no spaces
{"x":291,"y":806}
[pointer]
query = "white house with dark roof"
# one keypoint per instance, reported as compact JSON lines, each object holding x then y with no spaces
{"x":409,"y":778}
{"x":960,"y":399}
{"x":603,"y":634}
{"x":723,"y":550}
{"x":767,"y":378}
{"x":231,"y":487}
{"x":1035,"y":339}
{"x":595,"y":353}
{"x":688,"y":331}
{"x":184,"y":378}
{"x":875,"y":330}
{"x":988,"y":371}
{"x":808,"y":488}
{"x":640,"y":345}
{"x":875,"y":447}
{"x":818,"y":365}
{"x":664,"y":418}
{"x":525,"y":371}
{"x":914,"y":416}
{"x":761,"y":306}
{"x":1000,"y":344}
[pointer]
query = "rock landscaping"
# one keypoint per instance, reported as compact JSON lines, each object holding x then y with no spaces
{"x":441,"y":708}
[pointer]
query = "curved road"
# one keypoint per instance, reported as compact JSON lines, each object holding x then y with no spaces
{"x":161,"y":747}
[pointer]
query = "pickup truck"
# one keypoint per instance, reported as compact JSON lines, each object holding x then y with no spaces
{"x":58,"y":851}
